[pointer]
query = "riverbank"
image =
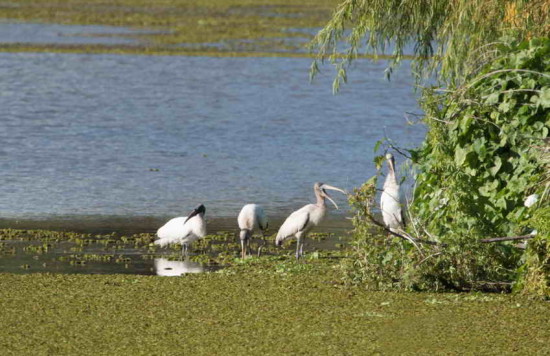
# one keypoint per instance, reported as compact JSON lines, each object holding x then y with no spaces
{"x":257,"y":308}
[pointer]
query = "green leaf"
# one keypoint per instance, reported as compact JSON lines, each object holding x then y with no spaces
{"x":378,"y":161}
{"x":460,"y":156}
{"x":372,"y":180}
{"x":492,"y":99}
{"x":498,"y":163}
{"x":544,"y":99}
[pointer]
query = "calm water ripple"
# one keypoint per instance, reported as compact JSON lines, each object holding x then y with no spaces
{"x":111,"y":135}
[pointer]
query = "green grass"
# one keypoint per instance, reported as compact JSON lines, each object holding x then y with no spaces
{"x":261,"y":306}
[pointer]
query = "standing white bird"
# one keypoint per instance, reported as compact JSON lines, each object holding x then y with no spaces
{"x":183,"y":230}
{"x":250,"y":218}
{"x":390,"y":201}
{"x":300,"y":222}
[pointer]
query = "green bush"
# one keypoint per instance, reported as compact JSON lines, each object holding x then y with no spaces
{"x":534,"y":274}
{"x":483,"y":155}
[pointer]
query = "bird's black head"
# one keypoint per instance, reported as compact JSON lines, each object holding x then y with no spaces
{"x":200,"y":209}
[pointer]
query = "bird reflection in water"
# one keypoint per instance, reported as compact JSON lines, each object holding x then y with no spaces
{"x":167,"y":268}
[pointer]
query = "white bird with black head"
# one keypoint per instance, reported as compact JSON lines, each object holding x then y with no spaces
{"x":300,"y":222}
{"x":183,"y":230}
{"x":390,"y":201}
{"x":251,"y":217}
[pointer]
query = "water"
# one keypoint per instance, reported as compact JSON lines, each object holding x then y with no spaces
{"x":61,"y":252}
{"x":56,"y":34}
{"x":94,"y":137}
{"x":67,"y":257}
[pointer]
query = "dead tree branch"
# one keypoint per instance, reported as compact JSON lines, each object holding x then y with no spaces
{"x":422,"y":241}
{"x":507,"y":238}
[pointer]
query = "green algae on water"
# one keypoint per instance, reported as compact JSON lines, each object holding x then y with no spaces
{"x":256,"y":310}
{"x":183,"y":27}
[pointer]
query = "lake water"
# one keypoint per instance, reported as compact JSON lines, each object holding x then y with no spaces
{"x":57,"y":34}
{"x":23,"y":251}
{"x":138,"y":139}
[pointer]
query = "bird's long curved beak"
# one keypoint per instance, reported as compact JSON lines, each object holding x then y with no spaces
{"x":193,"y":214}
{"x":330,"y":187}
{"x":326,"y":186}
{"x":392,"y":164}
{"x":332,"y":201}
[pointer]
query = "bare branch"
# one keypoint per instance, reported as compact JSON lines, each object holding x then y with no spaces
{"x":422,"y":241}
{"x":507,"y":238}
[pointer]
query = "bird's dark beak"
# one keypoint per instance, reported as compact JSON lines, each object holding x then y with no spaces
{"x":391,"y":163}
{"x":193,"y":213}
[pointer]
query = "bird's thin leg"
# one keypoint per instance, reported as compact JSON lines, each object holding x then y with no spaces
{"x":248,"y":246}
{"x":264,"y":242}
{"x":302,"y":246}
{"x":298,"y":250}
{"x":184,"y":250}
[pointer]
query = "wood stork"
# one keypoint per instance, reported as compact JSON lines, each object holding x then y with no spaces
{"x":300,"y":222}
{"x":183,"y":230}
{"x":250,"y":218}
{"x":390,"y":201}
{"x":165,"y":267}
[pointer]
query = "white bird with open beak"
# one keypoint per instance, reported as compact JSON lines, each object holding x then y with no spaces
{"x":300,"y":222}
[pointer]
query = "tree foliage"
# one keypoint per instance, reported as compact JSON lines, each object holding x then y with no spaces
{"x":484,"y":154}
{"x":480,"y":158}
{"x":450,"y":37}
{"x":487,"y":143}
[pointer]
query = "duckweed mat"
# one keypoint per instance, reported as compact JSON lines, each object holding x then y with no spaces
{"x":257,"y":308}
{"x":210,"y":27}
{"x":46,"y":251}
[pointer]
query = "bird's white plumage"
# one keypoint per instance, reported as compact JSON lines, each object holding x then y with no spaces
{"x":252,"y":217}
{"x":391,"y":208}
{"x":531,"y":200}
{"x":390,"y":201}
{"x":177,"y":230}
{"x":301,"y":221}
{"x":165,"y":267}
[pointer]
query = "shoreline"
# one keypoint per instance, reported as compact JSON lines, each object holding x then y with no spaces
{"x":121,"y":224}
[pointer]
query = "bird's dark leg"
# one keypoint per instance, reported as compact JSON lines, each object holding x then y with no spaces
{"x":298,"y":249}
{"x":184,"y":249}
{"x":264,"y":242}
{"x":243,"y":252}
